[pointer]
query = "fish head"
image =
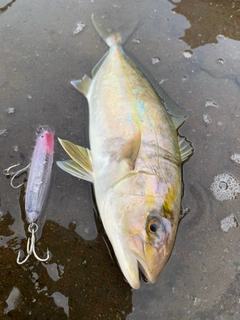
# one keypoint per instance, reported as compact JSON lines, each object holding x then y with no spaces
{"x":141,"y":226}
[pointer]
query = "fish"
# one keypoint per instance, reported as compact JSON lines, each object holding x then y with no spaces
{"x":135,"y":158}
{"x":40,"y":173}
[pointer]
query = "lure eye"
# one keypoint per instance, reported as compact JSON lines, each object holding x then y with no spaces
{"x":153,"y":227}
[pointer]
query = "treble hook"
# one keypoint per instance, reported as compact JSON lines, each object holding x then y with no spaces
{"x":32,"y":228}
{"x":13,"y":175}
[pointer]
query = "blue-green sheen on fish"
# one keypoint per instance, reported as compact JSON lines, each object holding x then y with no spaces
{"x":135,"y":160}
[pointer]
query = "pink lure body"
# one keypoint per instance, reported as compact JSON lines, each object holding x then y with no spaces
{"x":40,"y":173}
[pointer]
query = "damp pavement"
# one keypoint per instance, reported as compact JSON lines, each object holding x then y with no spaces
{"x":192,"y":49}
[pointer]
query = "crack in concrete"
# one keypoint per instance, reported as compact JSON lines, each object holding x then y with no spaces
{"x":4,"y":8}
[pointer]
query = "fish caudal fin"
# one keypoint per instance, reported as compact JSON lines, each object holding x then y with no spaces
{"x":81,"y":157}
{"x":185,"y":148}
{"x":113,"y":37}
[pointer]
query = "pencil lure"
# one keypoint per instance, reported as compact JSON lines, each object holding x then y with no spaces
{"x":39,"y":173}
{"x":39,"y":178}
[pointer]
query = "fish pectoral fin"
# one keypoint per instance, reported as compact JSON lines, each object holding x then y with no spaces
{"x":130,"y":150}
{"x":82,"y":156}
{"x":83,"y":85}
{"x":73,"y":168}
{"x":185,"y":148}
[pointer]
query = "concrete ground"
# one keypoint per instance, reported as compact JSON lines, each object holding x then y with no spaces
{"x":192,"y":48}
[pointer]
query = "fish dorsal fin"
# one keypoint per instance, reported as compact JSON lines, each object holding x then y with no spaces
{"x":73,"y":168}
{"x":99,"y":64}
{"x":129,"y":151}
{"x":177,"y":121}
{"x":177,"y":114}
{"x":83,"y":85}
{"x":82,"y":156}
{"x":185,"y":148}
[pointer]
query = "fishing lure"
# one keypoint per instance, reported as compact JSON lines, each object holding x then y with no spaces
{"x":37,"y":186}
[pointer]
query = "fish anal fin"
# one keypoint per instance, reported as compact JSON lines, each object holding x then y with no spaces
{"x":83,"y":85}
{"x":130,"y":150}
{"x":73,"y":168}
{"x":185,"y":148}
{"x":82,"y":156}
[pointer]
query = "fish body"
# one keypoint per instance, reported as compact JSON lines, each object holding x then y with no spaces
{"x":129,"y":127}
{"x":134,"y":162}
{"x":40,"y":173}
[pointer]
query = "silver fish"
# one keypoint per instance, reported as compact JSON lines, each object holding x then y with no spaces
{"x":135,"y":159}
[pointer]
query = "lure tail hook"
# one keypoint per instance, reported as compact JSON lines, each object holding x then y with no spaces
{"x":13,"y":175}
{"x":32,"y":228}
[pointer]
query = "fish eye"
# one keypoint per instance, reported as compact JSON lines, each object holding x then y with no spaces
{"x":154,"y":223}
{"x":153,"y":227}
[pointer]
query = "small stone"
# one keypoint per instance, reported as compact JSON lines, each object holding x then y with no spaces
{"x":10,"y":110}
{"x":155,"y":60}
{"x":228,"y":223}
{"x":79,"y":28}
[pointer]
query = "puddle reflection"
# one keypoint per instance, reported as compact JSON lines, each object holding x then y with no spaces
{"x":80,"y":278}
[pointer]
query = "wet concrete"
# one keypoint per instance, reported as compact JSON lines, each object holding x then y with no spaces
{"x":197,"y":47}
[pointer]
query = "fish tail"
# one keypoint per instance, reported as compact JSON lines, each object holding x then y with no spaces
{"x":113,"y":37}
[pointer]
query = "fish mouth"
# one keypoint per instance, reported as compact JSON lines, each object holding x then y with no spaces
{"x":149,"y":260}
{"x":137,"y":260}
{"x":144,"y":266}
{"x":134,"y":263}
{"x":146,"y":273}
{"x":142,"y":273}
